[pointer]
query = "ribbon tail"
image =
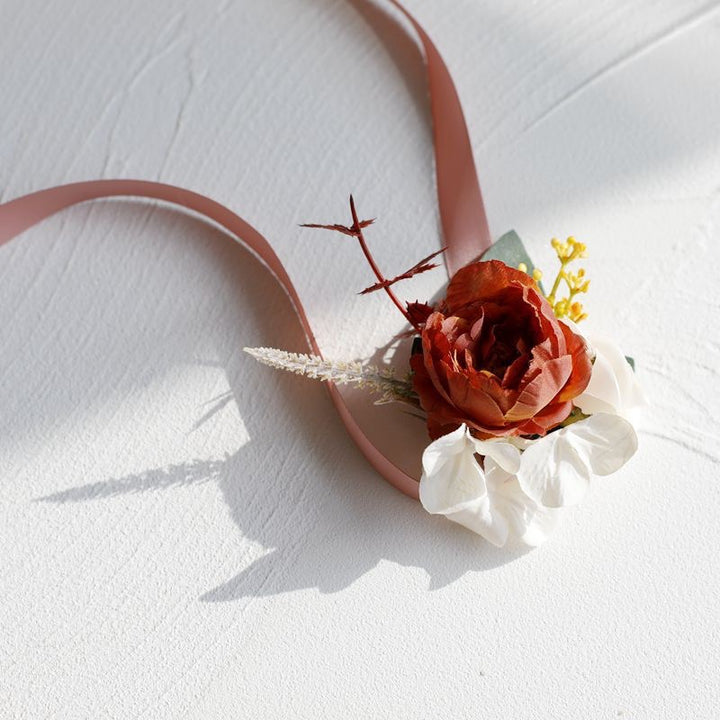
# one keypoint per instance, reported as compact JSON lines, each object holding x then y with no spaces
{"x":22,"y":213}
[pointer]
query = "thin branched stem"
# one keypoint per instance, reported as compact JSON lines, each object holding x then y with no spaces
{"x":357,"y":227}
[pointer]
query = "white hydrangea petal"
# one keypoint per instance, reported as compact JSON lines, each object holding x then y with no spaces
{"x":529,"y":522}
{"x":623,"y":371}
{"x":605,"y":442}
{"x":453,"y":484}
{"x":452,"y":477}
{"x":506,"y":455}
{"x":483,"y":519}
{"x":613,"y":386}
{"x":555,"y":470}
{"x":552,"y":473}
{"x":602,"y":393}
{"x":444,"y":447}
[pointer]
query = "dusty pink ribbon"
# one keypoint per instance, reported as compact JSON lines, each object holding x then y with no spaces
{"x":464,"y":222}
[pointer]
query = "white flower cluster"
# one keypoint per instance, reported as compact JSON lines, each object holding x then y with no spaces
{"x":522,"y":485}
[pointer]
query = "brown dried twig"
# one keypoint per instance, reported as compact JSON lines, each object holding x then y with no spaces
{"x":340,"y":228}
{"x":423,"y":266}
{"x":356,"y":231}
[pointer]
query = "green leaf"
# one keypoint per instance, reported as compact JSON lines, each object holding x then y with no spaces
{"x":631,"y":362}
{"x":510,"y":250}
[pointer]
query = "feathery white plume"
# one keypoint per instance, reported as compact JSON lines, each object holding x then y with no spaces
{"x":382,"y":381}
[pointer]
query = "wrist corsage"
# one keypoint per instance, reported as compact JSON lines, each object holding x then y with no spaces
{"x":521,"y":407}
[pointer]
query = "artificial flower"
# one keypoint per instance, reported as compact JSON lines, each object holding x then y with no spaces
{"x":487,"y":498}
{"x":496,"y":358}
{"x":521,"y":408}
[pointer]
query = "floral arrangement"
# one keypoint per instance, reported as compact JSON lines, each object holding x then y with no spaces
{"x":522,"y":408}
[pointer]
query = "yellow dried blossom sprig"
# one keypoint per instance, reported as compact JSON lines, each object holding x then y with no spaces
{"x":576,"y":282}
{"x":536,"y":273}
{"x":567,"y":252}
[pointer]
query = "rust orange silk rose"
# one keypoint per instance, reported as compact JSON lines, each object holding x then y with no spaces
{"x":495,"y":357}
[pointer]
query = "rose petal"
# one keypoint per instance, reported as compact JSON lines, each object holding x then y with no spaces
{"x":475,"y":397}
{"x":424,"y":368}
{"x":482,"y":280}
{"x":542,"y":389}
{"x":548,"y":321}
{"x":581,"y":364}
{"x":515,"y":371}
{"x":546,"y":420}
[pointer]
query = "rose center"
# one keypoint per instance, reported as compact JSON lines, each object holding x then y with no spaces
{"x":499,"y":358}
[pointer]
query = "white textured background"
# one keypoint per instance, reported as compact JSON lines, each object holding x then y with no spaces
{"x":184,"y":534}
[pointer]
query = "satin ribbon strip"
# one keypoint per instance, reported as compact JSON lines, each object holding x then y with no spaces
{"x":462,"y":211}
{"x":463,"y":217}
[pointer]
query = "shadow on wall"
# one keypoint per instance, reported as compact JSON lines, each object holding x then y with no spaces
{"x":330,"y":519}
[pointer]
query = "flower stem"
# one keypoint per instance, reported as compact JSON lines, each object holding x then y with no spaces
{"x":556,"y":284}
{"x":373,"y":264}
